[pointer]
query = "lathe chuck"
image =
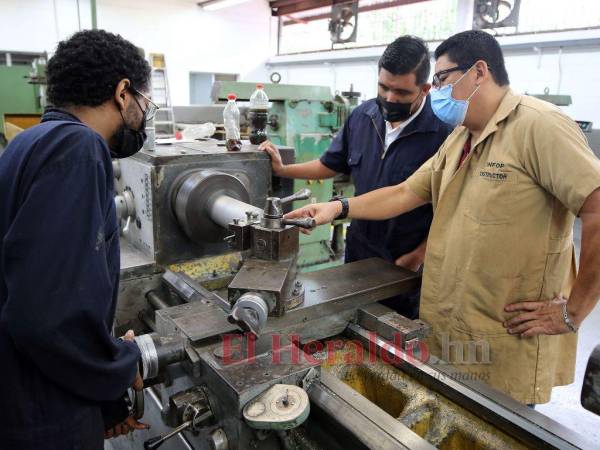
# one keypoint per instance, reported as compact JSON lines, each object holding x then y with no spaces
{"x":205,"y":201}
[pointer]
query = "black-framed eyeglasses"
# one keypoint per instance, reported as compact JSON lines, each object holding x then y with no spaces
{"x":151,"y":107}
{"x":436,"y":77}
{"x":437,"y":83}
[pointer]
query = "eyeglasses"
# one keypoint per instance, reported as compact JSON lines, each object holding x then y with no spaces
{"x":437,"y":83}
{"x":151,"y":107}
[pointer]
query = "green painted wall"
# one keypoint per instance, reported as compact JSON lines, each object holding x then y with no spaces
{"x":17,"y":96}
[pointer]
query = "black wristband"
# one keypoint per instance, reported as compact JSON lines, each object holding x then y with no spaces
{"x":345,"y":207}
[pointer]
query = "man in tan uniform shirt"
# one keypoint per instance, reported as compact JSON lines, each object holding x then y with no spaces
{"x":505,"y":187}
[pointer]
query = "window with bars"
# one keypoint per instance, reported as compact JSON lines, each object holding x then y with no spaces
{"x":430,"y":20}
{"x":381,"y":21}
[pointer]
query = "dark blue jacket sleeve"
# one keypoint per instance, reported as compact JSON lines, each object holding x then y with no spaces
{"x":60,"y":286}
{"x":336,"y":156}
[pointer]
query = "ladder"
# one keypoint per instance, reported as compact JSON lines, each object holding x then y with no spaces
{"x":164,"y":122}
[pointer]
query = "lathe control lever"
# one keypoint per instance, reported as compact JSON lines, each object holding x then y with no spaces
{"x":157,"y":441}
{"x":125,"y":205}
{"x":302,"y":194}
{"x":273,"y":212}
{"x":306,"y":222}
{"x":194,"y":417}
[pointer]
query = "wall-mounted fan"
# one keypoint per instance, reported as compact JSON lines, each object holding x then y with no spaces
{"x":495,"y":13}
{"x":343,"y":22}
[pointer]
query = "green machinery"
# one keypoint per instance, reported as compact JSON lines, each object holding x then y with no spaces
{"x":305,"y":118}
{"x":22,"y":92}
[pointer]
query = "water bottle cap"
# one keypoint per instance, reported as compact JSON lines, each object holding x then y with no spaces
{"x":260,"y":86}
{"x":231,"y":97}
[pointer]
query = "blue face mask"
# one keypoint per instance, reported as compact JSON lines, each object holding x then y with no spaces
{"x":447,"y":108}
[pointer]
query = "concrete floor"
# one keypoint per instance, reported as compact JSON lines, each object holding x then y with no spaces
{"x":565,"y":406}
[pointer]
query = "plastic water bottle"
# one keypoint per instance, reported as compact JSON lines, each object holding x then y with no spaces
{"x":203,"y":130}
{"x":231,"y":120}
{"x":259,"y":104}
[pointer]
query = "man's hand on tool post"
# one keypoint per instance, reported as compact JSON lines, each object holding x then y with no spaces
{"x":321,"y":212}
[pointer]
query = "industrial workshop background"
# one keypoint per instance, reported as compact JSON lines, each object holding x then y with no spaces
{"x":206,"y":250}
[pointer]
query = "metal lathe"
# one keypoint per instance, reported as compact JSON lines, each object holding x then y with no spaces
{"x":242,"y":350}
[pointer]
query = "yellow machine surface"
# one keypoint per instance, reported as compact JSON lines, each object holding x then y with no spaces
{"x":432,"y":416}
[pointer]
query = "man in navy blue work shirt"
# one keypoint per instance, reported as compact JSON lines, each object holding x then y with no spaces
{"x":63,"y":373}
{"x":381,"y":144}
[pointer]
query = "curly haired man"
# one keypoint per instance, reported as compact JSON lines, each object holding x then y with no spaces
{"x":64,"y":374}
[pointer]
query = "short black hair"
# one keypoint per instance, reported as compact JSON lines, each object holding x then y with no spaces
{"x":407,"y":54}
{"x":87,"y":67}
{"x":468,"y":47}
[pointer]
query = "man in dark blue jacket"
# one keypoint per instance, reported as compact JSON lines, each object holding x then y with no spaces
{"x":381,"y":144}
{"x":63,"y":373}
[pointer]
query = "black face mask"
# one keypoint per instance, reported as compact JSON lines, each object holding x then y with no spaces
{"x":126,"y":141}
{"x":394,"y":112}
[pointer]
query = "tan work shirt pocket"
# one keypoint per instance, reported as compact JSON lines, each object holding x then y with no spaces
{"x":490,"y":196}
{"x":490,"y":225}
{"x":559,"y":274}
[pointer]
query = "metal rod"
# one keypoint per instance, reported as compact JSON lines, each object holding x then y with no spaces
{"x":365,"y":426}
{"x":156,"y":301}
{"x":159,"y":440}
{"x":156,"y":401}
{"x":56,"y":20}
{"x":78,"y":16}
{"x":145,"y":317}
{"x":223,"y":209}
{"x":209,"y":295}
{"x":94,"y":14}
